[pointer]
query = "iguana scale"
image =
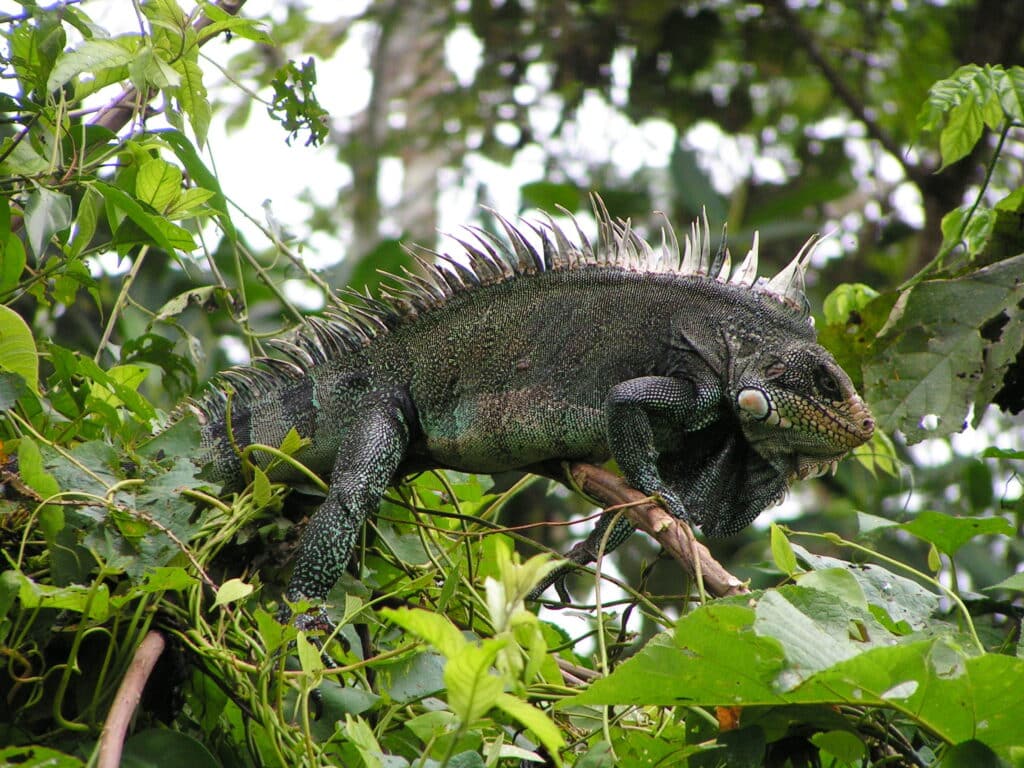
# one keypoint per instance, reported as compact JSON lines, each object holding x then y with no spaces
{"x":704,"y":383}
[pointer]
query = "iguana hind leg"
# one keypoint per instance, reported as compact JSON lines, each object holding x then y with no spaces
{"x":369,"y":454}
{"x":587,"y":552}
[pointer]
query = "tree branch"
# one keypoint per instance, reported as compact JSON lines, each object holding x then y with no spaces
{"x":674,"y":535}
{"x":127,"y":699}
{"x":846,"y":95}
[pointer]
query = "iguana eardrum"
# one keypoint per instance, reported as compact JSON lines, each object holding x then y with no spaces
{"x":704,"y":383}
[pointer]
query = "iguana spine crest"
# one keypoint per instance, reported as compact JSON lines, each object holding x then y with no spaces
{"x":362,"y":317}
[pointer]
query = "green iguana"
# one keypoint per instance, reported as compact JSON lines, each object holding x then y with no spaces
{"x":704,"y":383}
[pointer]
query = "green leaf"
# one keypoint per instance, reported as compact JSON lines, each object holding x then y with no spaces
{"x":716,"y":658}
{"x":878,"y":455}
{"x":434,"y":628}
{"x":261,"y":490}
{"x":949,"y":533}
{"x":782,"y":552}
{"x":89,"y":208}
{"x":845,"y":299}
{"x":359,"y":732}
{"x":168,"y":236}
{"x":973,"y":234}
{"x":200,"y":175}
{"x":158,"y":184}
{"x":21,"y":159}
{"x":91,"y":56}
{"x":472,"y":688}
{"x":239,"y":26}
{"x":164,"y":748}
{"x":902,"y":599}
{"x":18,"y":348}
{"x":12,"y":264}
{"x":538,"y":722}
{"x":1010,"y":88}
{"x":549,"y":196}
{"x":46,"y":213}
{"x":843,"y":745}
{"x":1014,"y":583}
{"x":310,"y":658}
{"x":191,"y":96}
{"x":928,"y":360}
{"x":970,"y":754}
{"x":1002,"y":453}
{"x":231,"y":591}
{"x":34,"y":755}
{"x":962,"y":131}
{"x":170,"y":579}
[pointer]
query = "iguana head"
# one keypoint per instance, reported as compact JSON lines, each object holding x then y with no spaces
{"x":799,"y":409}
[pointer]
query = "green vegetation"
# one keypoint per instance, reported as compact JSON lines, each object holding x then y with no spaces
{"x":884,"y":623}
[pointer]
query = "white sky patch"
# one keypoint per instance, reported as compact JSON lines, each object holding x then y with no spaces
{"x":463,"y":54}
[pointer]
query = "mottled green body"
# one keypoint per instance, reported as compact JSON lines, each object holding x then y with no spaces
{"x":710,"y":394}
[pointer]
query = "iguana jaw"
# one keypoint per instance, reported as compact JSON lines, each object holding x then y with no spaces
{"x":801,"y":436}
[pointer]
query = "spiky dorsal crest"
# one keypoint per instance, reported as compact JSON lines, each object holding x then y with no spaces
{"x":487,"y":259}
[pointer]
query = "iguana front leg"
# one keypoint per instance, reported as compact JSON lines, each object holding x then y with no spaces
{"x":633,"y":406}
{"x":369,"y":454}
{"x":677,"y":404}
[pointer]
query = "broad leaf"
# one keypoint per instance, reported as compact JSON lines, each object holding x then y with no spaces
{"x":90,"y":56}
{"x":46,"y":213}
{"x":18,"y":348}
{"x":929,"y":361}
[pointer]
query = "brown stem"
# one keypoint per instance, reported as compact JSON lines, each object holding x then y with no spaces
{"x":674,"y":535}
{"x":127,"y":699}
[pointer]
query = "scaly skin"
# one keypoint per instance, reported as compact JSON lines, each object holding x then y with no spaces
{"x":711,"y":395}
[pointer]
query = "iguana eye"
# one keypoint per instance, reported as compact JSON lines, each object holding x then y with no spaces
{"x":774,"y":370}
{"x":827,"y":384}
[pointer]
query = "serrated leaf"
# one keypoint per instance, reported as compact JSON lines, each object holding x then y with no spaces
{"x":46,"y":213}
{"x":1010,"y":88}
{"x":18,"y":348}
{"x":90,"y":56}
{"x":434,"y":628}
{"x":962,"y":131}
{"x":292,"y":442}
